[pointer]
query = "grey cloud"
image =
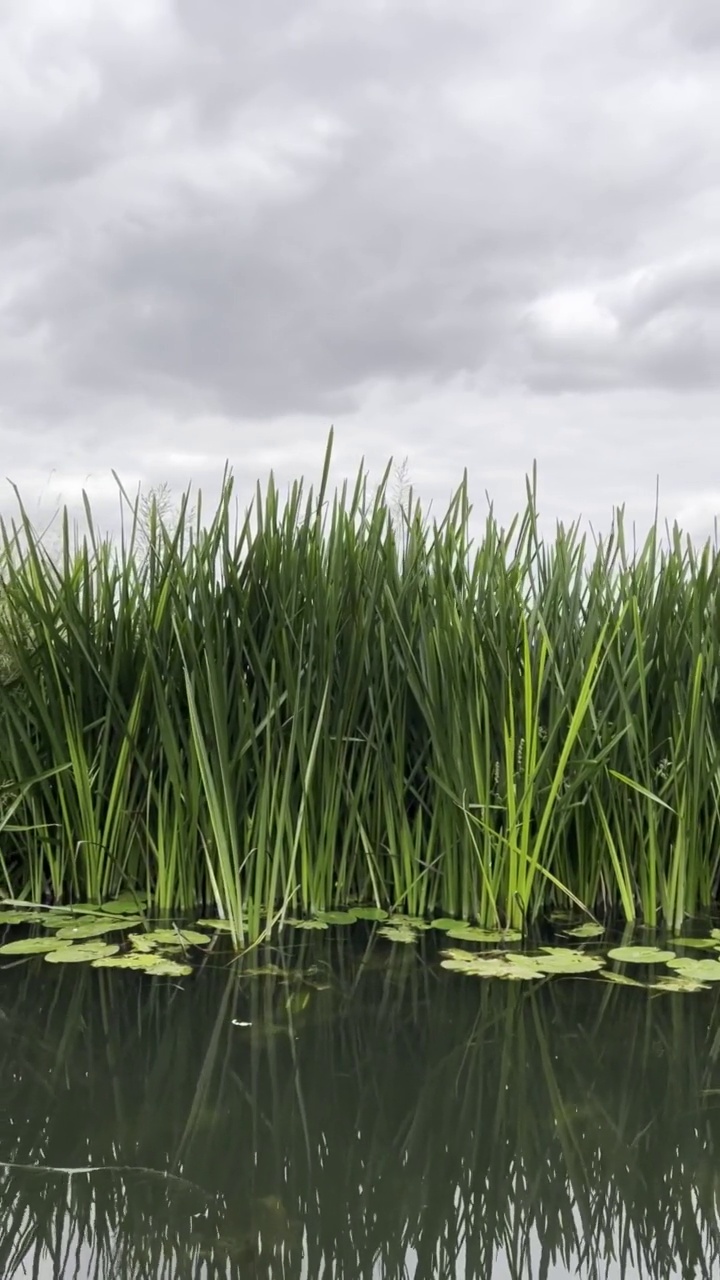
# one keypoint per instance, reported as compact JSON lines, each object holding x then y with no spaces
{"x":260,"y":212}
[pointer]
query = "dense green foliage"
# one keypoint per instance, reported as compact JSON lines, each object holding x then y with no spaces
{"x":329,"y":703}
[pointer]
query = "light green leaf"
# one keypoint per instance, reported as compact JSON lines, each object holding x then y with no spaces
{"x":95,"y":928}
{"x":398,"y":933}
{"x":587,"y":930}
{"x":475,"y":933}
{"x":640,"y":955}
{"x":30,"y":946}
{"x":220,"y":926}
{"x":621,"y":979}
{"x":370,"y":913}
{"x":81,"y":954}
{"x":698,"y":970}
{"x":678,"y":983}
{"x":336,"y":917}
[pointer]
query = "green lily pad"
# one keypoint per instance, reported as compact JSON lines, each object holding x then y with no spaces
{"x":122,"y":907}
{"x":398,"y":933}
{"x":475,"y":933}
{"x":85,"y":928}
{"x":569,"y":962}
{"x":446,"y":922}
{"x":370,"y":913}
{"x":81,"y":954}
{"x":31,"y":916}
{"x":168,"y":939}
{"x":640,"y":955}
{"x":156,"y":966}
{"x":678,"y":983}
{"x":306,"y":924}
{"x":31,"y":946}
{"x":701,"y":944}
{"x":220,"y":926}
{"x":698,"y":970}
{"x":411,"y":922}
{"x":336,"y":917}
{"x":508,"y":966}
{"x":621,"y":979}
{"x":588,"y":930}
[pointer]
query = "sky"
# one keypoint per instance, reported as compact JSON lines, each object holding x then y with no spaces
{"x":469,"y":233}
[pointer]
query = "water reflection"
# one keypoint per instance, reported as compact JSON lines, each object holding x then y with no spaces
{"x":376,"y":1118}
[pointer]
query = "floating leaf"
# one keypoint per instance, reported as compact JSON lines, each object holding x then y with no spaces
{"x":411,"y":922}
{"x":85,"y":928}
{"x":678,"y":983}
{"x":446,"y":922}
{"x":306,"y":924}
{"x":30,"y":946}
{"x":81,"y":954}
{"x":336,"y":917}
{"x":173,"y":938}
{"x":621,"y":979}
{"x":220,"y":926}
{"x":398,"y":933}
{"x":505,"y":965}
{"x":123,"y":906}
{"x":475,"y":933}
{"x":702,"y":944}
{"x":698,"y":970}
{"x":156,"y":966}
{"x":569,"y":962}
{"x":22,"y":917}
{"x":640,"y":955}
{"x":370,"y":913}
{"x":587,"y":930}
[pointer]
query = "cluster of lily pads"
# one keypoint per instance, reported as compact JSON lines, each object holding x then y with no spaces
{"x":687,"y":972}
{"x":79,"y":936}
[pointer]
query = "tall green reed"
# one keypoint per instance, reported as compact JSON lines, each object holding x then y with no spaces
{"x":327,"y":700}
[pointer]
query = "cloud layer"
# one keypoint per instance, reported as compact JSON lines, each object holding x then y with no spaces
{"x":224,"y":227}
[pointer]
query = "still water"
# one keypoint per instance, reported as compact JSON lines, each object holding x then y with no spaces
{"x":359,"y":1114}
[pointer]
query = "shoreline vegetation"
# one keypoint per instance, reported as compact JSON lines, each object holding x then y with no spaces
{"x":335,"y":702}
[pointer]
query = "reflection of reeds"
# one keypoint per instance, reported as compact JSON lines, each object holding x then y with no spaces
{"x":330,"y":704}
{"x":393,"y":1115}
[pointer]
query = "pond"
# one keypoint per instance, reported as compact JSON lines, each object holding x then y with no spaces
{"x":343,"y":1108}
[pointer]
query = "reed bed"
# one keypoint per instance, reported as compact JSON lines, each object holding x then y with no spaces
{"x":328,"y":701}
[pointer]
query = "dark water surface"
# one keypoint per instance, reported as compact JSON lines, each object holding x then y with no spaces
{"x":379,"y":1117}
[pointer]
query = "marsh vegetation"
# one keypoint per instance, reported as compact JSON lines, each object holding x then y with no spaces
{"x":326,"y":703}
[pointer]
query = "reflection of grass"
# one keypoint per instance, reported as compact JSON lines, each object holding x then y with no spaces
{"x":425,"y":1115}
{"x":338,"y":703}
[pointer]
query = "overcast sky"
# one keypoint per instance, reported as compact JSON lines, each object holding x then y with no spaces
{"x":472,"y":232}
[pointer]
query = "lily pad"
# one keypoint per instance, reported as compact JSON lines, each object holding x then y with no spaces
{"x":698,"y":970}
{"x":174,"y":939}
{"x":306,"y":924}
{"x":370,"y":913}
{"x":398,"y":933}
{"x":156,"y":966}
{"x":31,"y":946}
{"x":588,"y":930}
{"x":220,"y":926}
{"x":641,"y":955}
{"x":678,"y":983}
{"x":620,"y":978}
{"x":81,"y":954}
{"x":336,"y":917}
{"x":22,"y":917}
{"x":700,"y":944}
{"x":85,"y":928}
{"x":558,"y":960}
{"x":476,"y":933}
{"x":411,"y":922}
{"x":508,"y":966}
